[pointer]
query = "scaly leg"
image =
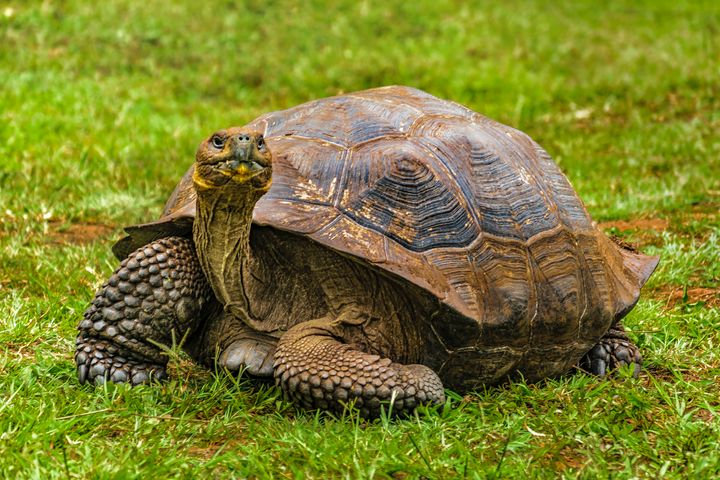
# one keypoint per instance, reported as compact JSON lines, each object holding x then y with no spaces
{"x":317,"y":370}
{"x":159,"y":289}
{"x":614,"y":350}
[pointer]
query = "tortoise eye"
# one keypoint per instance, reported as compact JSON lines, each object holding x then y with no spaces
{"x":261,"y":142}
{"x":217,"y":141}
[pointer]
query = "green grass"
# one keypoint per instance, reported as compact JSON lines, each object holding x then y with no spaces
{"x":100,"y":112}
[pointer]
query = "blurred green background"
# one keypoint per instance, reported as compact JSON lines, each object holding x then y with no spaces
{"x":103,"y":103}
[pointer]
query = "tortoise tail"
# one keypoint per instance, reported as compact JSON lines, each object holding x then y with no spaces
{"x":638,"y":266}
{"x":631,"y":270}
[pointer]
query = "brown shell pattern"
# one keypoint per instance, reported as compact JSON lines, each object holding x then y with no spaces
{"x":471,"y":210}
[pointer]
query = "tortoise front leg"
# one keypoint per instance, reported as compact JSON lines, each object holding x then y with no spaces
{"x":614,"y":350}
{"x":317,"y":370}
{"x":159,"y":289}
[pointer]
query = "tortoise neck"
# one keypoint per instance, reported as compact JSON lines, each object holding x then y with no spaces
{"x":222,"y":239}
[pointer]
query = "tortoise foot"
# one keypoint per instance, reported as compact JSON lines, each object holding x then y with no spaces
{"x":255,"y":355}
{"x":615,"y":350}
{"x":319,"y":372}
{"x":99,"y":361}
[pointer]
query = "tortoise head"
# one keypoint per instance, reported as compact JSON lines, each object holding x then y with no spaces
{"x":237,"y":157}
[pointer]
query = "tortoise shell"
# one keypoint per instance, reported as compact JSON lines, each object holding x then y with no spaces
{"x":474,"y":212}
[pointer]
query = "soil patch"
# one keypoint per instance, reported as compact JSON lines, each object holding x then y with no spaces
{"x":642,"y":231}
{"x":205,"y":453}
{"x":78,"y":233}
{"x":673,"y":295}
{"x":704,"y":414}
{"x":570,"y":458}
{"x":657,"y":224}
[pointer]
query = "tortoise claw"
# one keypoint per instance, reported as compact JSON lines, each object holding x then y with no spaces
{"x":98,"y":362}
{"x":610,"y":354}
{"x":256,"y":356}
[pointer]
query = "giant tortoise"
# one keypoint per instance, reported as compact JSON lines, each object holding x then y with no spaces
{"x":369,"y":248}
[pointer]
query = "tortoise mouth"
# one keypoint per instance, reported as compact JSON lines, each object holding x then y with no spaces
{"x":241,"y":171}
{"x":243,"y":159}
{"x":231,"y":172}
{"x":233,"y":166}
{"x":240,"y":164}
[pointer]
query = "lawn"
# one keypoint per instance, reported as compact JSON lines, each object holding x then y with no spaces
{"x":101,"y":109}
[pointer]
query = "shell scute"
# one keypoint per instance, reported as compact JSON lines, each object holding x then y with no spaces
{"x":504,"y":265}
{"x":408,"y":201}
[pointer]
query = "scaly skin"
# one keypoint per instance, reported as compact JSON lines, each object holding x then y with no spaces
{"x":614,"y":350}
{"x":158,"y":289}
{"x":317,"y":371}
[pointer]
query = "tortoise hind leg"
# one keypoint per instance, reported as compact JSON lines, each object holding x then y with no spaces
{"x":318,"y":371}
{"x":158,"y":289}
{"x":614,"y":350}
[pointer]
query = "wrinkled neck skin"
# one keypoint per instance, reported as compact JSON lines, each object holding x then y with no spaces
{"x":221,"y":232}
